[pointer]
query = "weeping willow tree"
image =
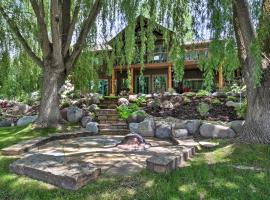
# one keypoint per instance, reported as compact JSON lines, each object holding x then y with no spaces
{"x":54,"y":33}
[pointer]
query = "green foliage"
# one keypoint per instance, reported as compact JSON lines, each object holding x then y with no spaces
{"x":202,"y":93}
{"x":241,"y":111}
{"x":125,"y":111}
{"x":216,"y":101}
{"x":231,"y":98}
{"x":190,"y":94}
{"x":203,"y":108}
{"x":186,"y":100}
{"x":140,"y":100}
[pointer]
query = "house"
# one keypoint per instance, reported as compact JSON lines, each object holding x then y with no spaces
{"x":158,"y":71}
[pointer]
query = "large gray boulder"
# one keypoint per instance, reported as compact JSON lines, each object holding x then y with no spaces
{"x":208,"y":130}
{"x":193,"y":126}
{"x":26,"y":120}
{"x":20,"y":109}
{"x":5,"y":122}
{"x":163,"y":130}
{"x":145,"y":128}
{"x":94,"y":98}
{"x":92,"y":127}
{"x":74,"y":114}
{"x":93,"y":108}
{"x":85,"y":120}
{"x":137,"y":116}
{"x":134,"y":127}
{"x":237,"y":126}
{"x":180,"y":133}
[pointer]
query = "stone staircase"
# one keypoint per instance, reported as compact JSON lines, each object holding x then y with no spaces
{"x":108,"y":103}
{"x":110,"y":122}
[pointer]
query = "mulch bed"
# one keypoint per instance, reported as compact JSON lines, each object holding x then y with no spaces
{"x":185,"y":111}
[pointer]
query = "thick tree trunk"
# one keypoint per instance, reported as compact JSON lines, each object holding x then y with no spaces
{"x":49,"y":113}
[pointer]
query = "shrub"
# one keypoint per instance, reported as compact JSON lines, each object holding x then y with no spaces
{"x":186,"y":100}
{"x":216,"y":101}
{"x":190,"y":94}
{"x":241,"y":111}
{"x":203,"y":93}
{"x":140,"y":100}
{"x":125,"y":111}
{"x":203,"y":109}
{"x":231,"y":98}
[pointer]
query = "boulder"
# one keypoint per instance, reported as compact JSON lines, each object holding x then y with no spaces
{"x":63,"y":113}
{"x":92,"y":127}
{"x":180,"y":133}
{"x":26,"y":120}
{"x":74,"y":114}
{"x":237,"y":126}
{"x":132,"y":98}
{"x":208,"y":130}
{"x":163,"y":130}
{"x":193,"y":126}
{"x":85,"y":120}
{"x":93,"y":108}
{"x":219,"y":94}
{"x":167,"y":104}
{"x":20,"y":109}
{"x":94,"y":98}
{"x":137,"y":116}
{"x":5,"y":122}
{"x":134,"y":127}
{"x":123,"y":101}
{"x":232,"y":104}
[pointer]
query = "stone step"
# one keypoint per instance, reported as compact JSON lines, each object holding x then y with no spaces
{"x":112,"y":121}
{"x":109,"y":105}
{"x":109,"y":131}
{"x":113,"y":126}
{"x":106,"y":111}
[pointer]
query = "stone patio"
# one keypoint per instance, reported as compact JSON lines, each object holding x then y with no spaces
{"x":53,"y":161}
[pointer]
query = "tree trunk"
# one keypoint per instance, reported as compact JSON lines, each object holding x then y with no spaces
{"x":49,"y":113}
{"x":257,"y":125}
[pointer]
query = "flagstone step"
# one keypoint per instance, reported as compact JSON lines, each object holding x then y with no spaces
{"x":113,"y":126}
{"x":106,"y":111}
{"x":110,"y":131}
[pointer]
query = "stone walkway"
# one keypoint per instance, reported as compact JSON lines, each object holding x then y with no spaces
{"x":100,"y":150}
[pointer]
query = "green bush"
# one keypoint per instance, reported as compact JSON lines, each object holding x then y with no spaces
{"x":186,"y":100}
{"x":231,"y":98}
{"x":203,"y":109}
{"x":216,"y":101}
{"x":125,"y":111}
{"x":241,"y":111}
{"x":203,"y":93}
{"x":190,"y":94}
{"x":140,"y":100}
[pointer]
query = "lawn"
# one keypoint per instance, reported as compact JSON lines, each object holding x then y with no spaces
{"x":211,"y":175}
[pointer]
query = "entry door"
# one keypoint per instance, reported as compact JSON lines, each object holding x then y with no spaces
{"x":142,"y":86}
{"x":159,"y":83}
{"x":103,"y":87}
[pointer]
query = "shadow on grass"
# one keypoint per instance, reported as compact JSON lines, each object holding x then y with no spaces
{"x":200,"y":180}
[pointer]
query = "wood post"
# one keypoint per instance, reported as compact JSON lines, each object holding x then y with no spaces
{"x":113,"y":83}
{"x":169,"y":77}
{"x":131,"y":80}
{"x":220,"y":77}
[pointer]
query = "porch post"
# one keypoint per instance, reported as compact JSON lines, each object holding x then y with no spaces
{"x":220,"y":77}
{"x":113,"y":83}
{"x":169,"y":77}
{"x":131,"y":80}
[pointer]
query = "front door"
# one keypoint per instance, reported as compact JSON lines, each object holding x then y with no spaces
{"x":159,"y":83}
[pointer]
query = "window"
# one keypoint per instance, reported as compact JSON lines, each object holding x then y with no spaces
{"x":193,"y":84}
{"x":159,"y":83}
{"x":142,"y":85}
{"x":103,"y":87}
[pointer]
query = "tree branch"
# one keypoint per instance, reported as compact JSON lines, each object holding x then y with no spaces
{"x":20,"y":38}
{"x":87,"y":24}
{"x":40,"y":15}
{"x":71,"y":28}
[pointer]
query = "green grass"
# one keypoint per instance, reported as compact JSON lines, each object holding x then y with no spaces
{"x":209,"y":176}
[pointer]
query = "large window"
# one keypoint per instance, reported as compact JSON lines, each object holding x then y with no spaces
{"x":192,"y":84}
{"x":103,"y":87}
{"x":142,"y":84}
{"x":159,"y":83}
